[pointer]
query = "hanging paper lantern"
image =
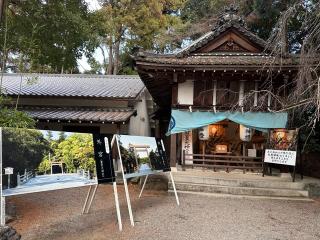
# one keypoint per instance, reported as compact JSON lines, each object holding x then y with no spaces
{"x":245,"y":133}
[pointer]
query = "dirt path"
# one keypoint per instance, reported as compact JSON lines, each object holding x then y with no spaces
{"x":57,"y":216}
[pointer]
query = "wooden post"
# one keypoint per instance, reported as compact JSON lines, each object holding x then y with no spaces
{"x":241,"y":93}
{"x":183,"y":159}
{"x":256,"y":88}
{"x":18,"y":179}
{"x":214,"y":95}
{"x":203,"y":153}
{"x":269,"y":100}
{"x":173,"y":150}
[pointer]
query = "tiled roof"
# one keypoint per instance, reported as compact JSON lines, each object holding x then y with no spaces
{"x":203,"y":40}
{"x":85,"y":115}
{"x":218,"y":59}
{"x":73,"y":85}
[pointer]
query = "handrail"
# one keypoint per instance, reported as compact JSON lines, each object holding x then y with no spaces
{"x":21,"y":179}
{"x":221,"y":156}
{"x":222,"y":161}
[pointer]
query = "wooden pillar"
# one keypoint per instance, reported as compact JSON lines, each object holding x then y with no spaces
{"x":241,"y":93}
{"x":173,"y":150}
{"x":269,"y":100}
{"x":214,"y":94}
{"x":256,"y":88}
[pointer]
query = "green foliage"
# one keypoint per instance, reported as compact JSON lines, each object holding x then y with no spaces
{"x":62,"y":136}
{"x":10,"y":117}
{"x":45,"y":166}
{"x":265,"y":14}
{"x":124,"y":25}
{"x":261,"y":15}
{"x":143,"y":160}
{"x":128,"y":159}
{"x":197,"y":10}
{"x":76,"y":151}
{"x":47,"y":35}
{"x":49,"y":136}
{"x":23,"y":149}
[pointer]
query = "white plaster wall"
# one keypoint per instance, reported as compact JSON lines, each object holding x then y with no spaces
{"x":140,"y":125}
{"x":185,"y":93}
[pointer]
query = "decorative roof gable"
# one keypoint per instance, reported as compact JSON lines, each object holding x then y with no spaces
{"x":230,"y":34}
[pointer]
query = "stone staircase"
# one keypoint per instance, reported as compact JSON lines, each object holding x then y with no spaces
{"x":239,"y":185}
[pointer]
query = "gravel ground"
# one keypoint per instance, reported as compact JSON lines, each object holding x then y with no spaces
{"x":57,"y":215}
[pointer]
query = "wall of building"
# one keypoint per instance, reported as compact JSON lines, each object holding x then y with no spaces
{"x":140,"y":124}
{"x":103,"y":128}
{"x":71,"y":102}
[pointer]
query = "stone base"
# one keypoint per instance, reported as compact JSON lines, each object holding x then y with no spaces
{"x":155,"y":182}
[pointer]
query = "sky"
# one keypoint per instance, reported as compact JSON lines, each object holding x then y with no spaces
{"x":126,"y":140}
{"x":55,"y":134}
{"x":93,"y":4}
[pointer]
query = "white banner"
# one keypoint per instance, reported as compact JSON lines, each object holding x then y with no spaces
{"x":204,"y":133}
{"x":280,"y":157}
{"x":187,"y":146}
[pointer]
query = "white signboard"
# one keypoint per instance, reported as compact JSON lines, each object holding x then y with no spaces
{"x":187,"y":146}
{"x":185,"y":93}
{"x":245,"y":133}
{"x":280,"y":157}
{"x":204,"y":133}
{"x":8,"y":170}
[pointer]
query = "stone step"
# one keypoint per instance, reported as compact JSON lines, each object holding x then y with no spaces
{"x":251,"y":191}
{"x":261,"y":183}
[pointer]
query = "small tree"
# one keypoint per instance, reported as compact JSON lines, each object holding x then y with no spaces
{"x":76,"y":151}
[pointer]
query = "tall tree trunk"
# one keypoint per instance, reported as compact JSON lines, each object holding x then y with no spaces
{"x":116,"y":57}
{"x":285,"y":39}
{"x":105,"y":64}
{"x":110,"y":60}
{"x":2,"y":6}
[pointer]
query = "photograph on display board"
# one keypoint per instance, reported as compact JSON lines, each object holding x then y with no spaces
{"x":41,"y":160}
{"x":142,"y":155}
{"x":283,"y":139}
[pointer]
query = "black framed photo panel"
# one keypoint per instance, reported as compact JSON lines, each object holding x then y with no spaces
{"x":142,"y":155}
{"x":103,"y":158}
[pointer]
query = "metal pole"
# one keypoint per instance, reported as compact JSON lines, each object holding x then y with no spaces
{"x":125,"y":183}
{"x":2,"y":199}
{"x":9,"y":181}
{"x":115,"y":192}
{"x":116,"y":199}
{"x":174,"y":189}
{"x":128,"y":200}
{"x":85,"y":203}
{"x":3,"y":212}
{"x":92,"y":197}
{"x":144,"y":184}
